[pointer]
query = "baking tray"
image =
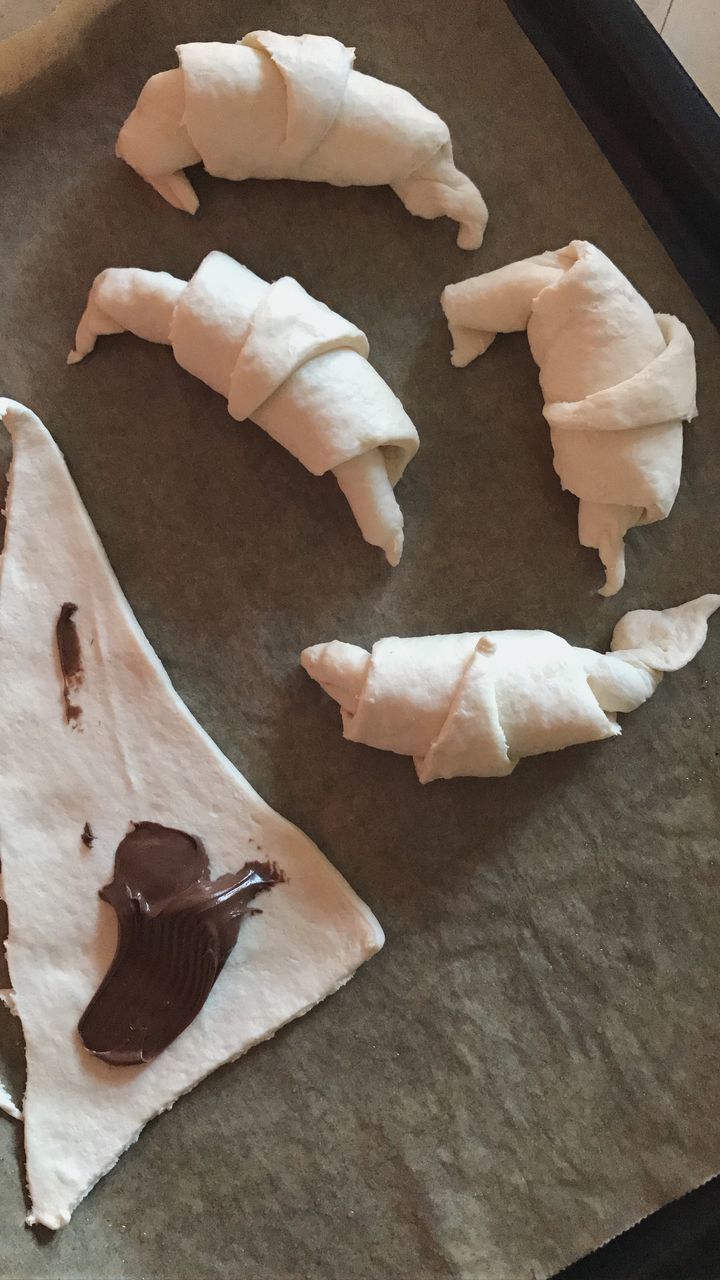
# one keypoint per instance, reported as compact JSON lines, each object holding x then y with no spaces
{"x":529,"y":1066}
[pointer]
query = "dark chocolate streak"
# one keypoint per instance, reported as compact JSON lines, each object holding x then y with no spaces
{"x":68,"y":643}
{"x":176,"y":930}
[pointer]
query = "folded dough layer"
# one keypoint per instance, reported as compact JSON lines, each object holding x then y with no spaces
{"x":618,"y":382}
{"x":136,"y":754}
{"x":280,"y":357}
{"x":475,"y":704}
{"x":276,"y":106}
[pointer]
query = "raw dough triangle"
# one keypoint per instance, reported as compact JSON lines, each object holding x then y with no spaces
{"x":137,"y":753}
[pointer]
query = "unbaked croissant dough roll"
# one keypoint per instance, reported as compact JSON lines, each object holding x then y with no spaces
{"x":298,"y":369}
{"x":475,"y":704}
{"x":618,"y":383}
{"x":275,"y":106}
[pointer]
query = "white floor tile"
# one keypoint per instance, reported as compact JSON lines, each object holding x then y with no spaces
{"x":692,"y":31}
{"x":656,"y":11}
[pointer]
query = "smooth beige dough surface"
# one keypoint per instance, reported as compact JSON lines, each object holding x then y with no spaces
{"x":618,"y":383}
{"x":282,"y":358}
{"x":475,"y":704}
{"x":277,"y":106}
{"x":136,"y":754}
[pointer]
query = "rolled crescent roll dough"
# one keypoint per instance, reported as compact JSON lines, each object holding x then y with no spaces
{"x":136,"y":754}
{"x":475,"y":704}
{"x":618,"y":383}
{"x":298,"y":369}
{"x":276,"y":106}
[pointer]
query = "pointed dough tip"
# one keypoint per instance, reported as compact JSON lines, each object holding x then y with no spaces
{"x":710,"y":602}
{"x":177,"y":189}
{"x":470,"y":238}
{"x":393,"y":552}
{"x":53,"y":1223}
{"x":310,"y":657}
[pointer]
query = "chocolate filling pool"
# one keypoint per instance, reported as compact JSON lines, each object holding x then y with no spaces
{"x":68,"y":643}
{"x":176,"y":929}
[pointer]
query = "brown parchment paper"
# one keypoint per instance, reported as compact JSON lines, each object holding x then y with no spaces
{"x":531,"y":1063}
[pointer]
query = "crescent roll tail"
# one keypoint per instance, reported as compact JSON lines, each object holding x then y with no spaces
{"x":127,"y":300}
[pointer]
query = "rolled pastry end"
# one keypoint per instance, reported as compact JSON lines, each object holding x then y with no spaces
{"x":439,"y":189}
{"x":612,"y":553}
{"x":340,"y":669}
{"x":366,"y":484}
{"x":666,"y":639}
{"x":467,"y":206}
{"x":603,"y":525}
{"x":155,"y":142}
{"x":177,"y":189}
{"x":127,"y":299}
{"x":468,"y":343}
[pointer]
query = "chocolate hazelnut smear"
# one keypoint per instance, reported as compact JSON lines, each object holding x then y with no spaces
{"x":68,"y":644}
{"x":176,"y":929}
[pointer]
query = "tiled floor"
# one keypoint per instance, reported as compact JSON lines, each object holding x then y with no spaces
{"x":692,"y":30}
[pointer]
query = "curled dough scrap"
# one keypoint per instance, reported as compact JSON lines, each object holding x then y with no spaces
{"x":275,"y":106}
{"x":475,"y":704}
{"x":618,"y":383}
{"x":281,"y":358}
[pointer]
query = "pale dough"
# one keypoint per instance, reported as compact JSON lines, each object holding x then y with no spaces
{"x":618,"y":383}
{"x":136,"y":754}
{"x":8,"y":1104}
{"x":276,"y":106}
{"x":280,"y":357}
{"x":475,"y":704}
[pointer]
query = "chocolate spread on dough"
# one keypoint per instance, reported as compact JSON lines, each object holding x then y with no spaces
{"x":88,"y":836}
{"x":176,"y":929}
{"x":68,"y":643}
